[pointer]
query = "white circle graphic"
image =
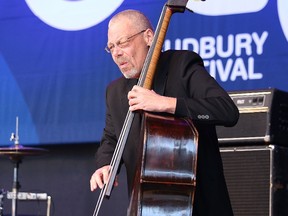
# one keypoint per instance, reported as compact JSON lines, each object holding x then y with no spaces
{"x":224,"y":7}
{"x":73,"y":15}
{"x":283,"y":16}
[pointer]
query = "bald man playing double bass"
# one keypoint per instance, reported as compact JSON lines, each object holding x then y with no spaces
{"x":181,"y":87}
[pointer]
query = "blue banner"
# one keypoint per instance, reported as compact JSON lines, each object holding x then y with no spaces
{"x":54,"y":69}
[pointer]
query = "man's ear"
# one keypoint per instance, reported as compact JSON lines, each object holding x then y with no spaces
{"x":148,"y":36}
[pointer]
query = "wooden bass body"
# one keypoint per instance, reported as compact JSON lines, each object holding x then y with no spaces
{"x":165,"y":179}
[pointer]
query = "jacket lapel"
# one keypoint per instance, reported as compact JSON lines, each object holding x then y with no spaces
{"x":128,"y":85}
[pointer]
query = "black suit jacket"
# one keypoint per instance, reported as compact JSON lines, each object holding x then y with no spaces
{"x":179,"y":74}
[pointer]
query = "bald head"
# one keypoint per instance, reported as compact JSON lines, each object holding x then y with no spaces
{"x":130,"y":35}
{"x":136,"y":19}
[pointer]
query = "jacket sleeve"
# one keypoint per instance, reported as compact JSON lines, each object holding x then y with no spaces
{"x":204,"y":99}
{"x":108,"y":141}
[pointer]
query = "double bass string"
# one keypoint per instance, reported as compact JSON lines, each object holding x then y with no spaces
{"x":115,"y":161}
{"x":116,"y":158}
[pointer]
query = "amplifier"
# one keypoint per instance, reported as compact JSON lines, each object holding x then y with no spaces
{"x":257,"y":179}
{"x":263,"y":118}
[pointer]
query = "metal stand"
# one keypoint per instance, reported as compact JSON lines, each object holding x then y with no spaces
{"x":15,"y":187}
{"x":2,"y":193}
{"x":16,"y":153}
{"x":30,"y":196}
{"x":16,"y":161}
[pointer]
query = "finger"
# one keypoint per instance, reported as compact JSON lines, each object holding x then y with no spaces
{"x":105,"y":175}
{"x":94,"y":182}
{"x":135,"y":88}
{"x":99,"y":180}
{"x":116,"y":182}
{"x":133,"y":101}
{"x":132,"y":94}
{"x":133,"y":106}
{"x":92,"y":185}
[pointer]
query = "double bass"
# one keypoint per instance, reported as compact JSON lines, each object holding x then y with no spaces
{"x":165,"y":178}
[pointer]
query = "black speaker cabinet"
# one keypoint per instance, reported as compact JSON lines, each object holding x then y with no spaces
{"x":263,"y":118}
{"x":257,"y":179}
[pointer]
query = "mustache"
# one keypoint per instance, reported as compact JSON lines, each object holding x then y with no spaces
{"x":121,"y":60}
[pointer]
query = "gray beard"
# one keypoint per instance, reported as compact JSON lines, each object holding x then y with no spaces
{"x":133,"y":73}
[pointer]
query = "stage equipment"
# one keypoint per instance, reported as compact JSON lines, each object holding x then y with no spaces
{"x":263,"y":118}
{"x":2,"y":193}
{"x":257,"y":179}
{"x":16,"y":154}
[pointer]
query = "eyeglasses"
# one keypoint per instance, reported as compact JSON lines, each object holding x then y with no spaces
{"x":122,"y":42}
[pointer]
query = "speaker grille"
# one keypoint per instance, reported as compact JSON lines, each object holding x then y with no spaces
{"x":247,"y":174}
{"x":257,"y":179}
{"x":250,"y":127}
{"x":263,"y":119}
